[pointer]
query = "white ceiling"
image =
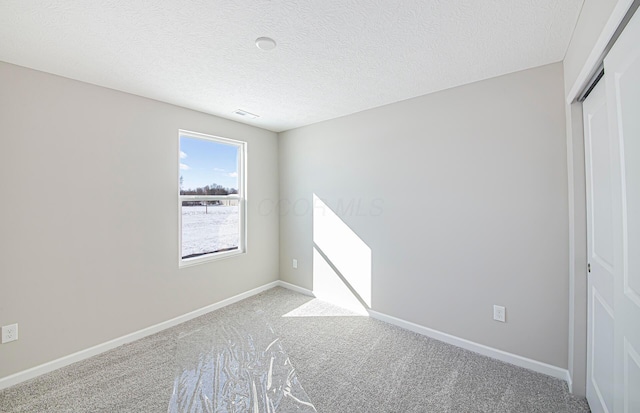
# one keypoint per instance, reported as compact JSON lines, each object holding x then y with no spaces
{"x":334,"y":57}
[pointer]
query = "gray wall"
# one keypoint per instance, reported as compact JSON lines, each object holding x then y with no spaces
{"x":577,"y":251}
{"x":472,"y":184}
{"x":89,"y":215}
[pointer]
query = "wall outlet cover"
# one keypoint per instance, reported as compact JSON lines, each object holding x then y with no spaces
{"x":499,"y":313}
{"x":9,"y":333}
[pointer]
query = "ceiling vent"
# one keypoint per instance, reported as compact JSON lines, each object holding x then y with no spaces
{"x":245,"y":114}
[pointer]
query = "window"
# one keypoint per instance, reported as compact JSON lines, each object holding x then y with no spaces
{"x":211,"y":197}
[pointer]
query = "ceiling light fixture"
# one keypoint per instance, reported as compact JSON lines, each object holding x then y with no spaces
{"x":265,"y":43}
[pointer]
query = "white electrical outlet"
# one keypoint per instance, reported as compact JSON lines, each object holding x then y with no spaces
{"x":295,"y":263}
{"x":499,"y":313}
{"x":9,"y":333}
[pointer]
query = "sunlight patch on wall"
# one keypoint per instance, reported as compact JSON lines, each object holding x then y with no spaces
{"x":329,"y":286}
{"x":341,"y":261}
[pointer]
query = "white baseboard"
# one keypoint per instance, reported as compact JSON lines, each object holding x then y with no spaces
{"x":295,"y":288}
{"x":520,"y":361}
{"x":109,"y":345}
{"x":510,"y":358}
{"x":537,"y":366}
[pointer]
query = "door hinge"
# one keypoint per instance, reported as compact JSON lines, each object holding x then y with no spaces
{"x":588,"y":267}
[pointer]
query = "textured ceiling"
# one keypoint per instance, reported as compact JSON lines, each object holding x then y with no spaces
{"x":334,"y":57}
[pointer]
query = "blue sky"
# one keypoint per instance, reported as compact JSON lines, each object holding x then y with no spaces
{"x":204,"y":162}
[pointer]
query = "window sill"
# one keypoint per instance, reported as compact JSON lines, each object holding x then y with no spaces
{"x":189,"y":262}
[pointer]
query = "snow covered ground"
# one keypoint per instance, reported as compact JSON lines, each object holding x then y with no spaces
{"x":208,"y":229}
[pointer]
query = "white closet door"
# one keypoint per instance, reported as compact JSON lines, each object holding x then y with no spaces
{"x":622,"y":75}
{"x":600,"y":250}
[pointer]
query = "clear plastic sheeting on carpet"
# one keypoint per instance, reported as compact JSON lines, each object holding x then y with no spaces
{"x":235,"y":368}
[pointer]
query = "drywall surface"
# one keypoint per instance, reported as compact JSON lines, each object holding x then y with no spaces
{"x":577,"y":250}
{"x":89,"y":216}
{"x":332,"y":57}
{"x":444,"y":205}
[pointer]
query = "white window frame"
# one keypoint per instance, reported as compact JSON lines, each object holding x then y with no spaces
{"x":240,"y":196}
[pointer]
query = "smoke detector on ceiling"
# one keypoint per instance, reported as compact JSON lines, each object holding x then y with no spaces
{"x":265,"y":43}
{"x":245,"y":114}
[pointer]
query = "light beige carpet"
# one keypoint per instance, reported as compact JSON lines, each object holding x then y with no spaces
{"x":281,"y":351}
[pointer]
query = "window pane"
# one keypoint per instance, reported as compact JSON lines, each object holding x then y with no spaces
{"x":209,"y":227}
{"x":208,"y":167}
